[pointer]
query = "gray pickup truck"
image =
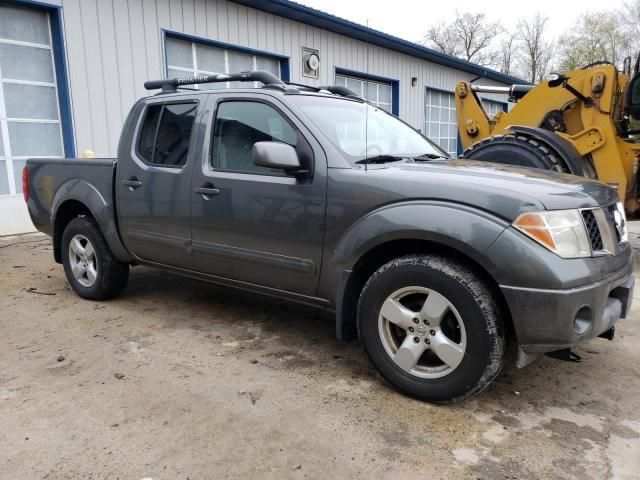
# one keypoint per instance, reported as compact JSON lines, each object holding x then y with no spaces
{"x":313,"y":195}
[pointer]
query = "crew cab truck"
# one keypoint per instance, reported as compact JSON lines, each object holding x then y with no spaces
{"x":316,"y":196}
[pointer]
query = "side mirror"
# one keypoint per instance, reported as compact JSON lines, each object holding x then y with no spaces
{"x":276,"y":155}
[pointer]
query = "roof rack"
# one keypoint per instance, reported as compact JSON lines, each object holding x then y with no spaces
{"x":342,"y":91}
{"x":269,"y":80}
{"x":171,"y":84}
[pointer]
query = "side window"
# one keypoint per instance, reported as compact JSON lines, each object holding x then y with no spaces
{"x":238,"y":126}
{"x":164,"y":138}
{"x":148,"y":133}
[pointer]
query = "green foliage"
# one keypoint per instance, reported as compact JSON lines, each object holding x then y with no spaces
{"x":595,"y":37}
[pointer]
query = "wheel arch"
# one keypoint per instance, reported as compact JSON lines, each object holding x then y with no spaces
{"x":75,"y":198}
{"x":453,"y":231}
{"x":69,"y":210}
{"x":352,"y":281}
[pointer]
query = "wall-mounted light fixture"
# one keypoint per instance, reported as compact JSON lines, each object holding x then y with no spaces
{"x":414,"y":81}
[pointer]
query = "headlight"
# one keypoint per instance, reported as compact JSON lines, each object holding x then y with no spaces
{"x":561,"y":231}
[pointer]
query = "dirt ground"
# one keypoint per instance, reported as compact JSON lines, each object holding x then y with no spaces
{"x":177,"y":379}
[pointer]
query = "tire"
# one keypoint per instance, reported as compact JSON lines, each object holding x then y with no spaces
{"x":462,"y":324}
{"x":90,"y":267}
{"x":518,"y":150}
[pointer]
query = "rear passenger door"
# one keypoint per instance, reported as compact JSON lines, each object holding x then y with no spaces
{"x":252,"y":224}
{"x":154,"y":183}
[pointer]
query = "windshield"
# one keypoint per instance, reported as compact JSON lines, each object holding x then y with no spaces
{"x":344,"y":122}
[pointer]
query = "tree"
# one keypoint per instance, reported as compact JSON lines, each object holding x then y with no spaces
{"x":534,"y":50}
{"x":469,"y":37}
{"x":504,"y":55}
{"x":628,"y":18}
{"x":594,"y":37}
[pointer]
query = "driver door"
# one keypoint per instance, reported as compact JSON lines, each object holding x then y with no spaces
{"x":251,"y":224}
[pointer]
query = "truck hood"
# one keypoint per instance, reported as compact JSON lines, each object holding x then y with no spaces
{"x":503,"y":189}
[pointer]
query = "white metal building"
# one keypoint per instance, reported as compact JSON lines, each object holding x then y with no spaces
{"x":71,"y":69}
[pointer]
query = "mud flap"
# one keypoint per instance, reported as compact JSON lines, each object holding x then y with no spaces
{"x":566,"y":355}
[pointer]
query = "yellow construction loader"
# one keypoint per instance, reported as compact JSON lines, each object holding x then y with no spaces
{"x":585,"y":122}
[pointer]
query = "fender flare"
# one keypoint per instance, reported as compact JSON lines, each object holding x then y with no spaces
{"x":101,"y":209}
{"x":460,"y":228}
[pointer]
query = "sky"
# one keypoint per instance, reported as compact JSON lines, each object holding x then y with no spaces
{"x":409,"y":19}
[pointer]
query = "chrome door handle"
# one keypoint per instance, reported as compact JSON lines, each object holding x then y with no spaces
{"x":132,"y":183}
{"x":207,"y":191}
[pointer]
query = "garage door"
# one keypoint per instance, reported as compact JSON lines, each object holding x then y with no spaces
{"x":441,"y":121}
{"x":29,"y":110}
{"x":191,"y":59}
{"x":379,"y":94}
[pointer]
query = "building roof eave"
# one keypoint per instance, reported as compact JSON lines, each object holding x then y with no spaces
{"x":320,"y":19}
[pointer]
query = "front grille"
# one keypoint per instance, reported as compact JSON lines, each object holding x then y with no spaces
{"x":611,"y":218}
{"x":592,"y":230}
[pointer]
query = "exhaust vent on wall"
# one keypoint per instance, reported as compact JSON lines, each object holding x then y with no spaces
{"x":310,"y":63}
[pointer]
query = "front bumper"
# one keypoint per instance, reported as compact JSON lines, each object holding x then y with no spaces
{"x":550,"y":320}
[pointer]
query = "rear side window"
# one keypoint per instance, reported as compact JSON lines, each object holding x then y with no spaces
{"x":166,"y":132}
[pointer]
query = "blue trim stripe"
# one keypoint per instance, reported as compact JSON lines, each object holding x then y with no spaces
{"x":285,"y":61}
{"x":317,"y":18}
{"x":64,"y":97}
{"x":395,"y":85}
{"x":60,"y":65}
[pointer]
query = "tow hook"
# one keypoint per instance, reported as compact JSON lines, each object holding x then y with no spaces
{"x":609,"y":334}
{"x":566,"y":355}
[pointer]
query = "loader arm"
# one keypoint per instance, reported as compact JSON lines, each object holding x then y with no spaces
{"x":583,"y":107}
{"x":473,"y":122}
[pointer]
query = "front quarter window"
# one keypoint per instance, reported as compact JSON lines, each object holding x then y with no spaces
{"x":363,"y":131}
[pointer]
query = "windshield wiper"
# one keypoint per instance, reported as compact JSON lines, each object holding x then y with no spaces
{"x":381,"y":159}
{"x":429,"y":156}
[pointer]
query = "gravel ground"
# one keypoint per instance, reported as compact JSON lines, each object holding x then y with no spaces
{"x":177,"y":379}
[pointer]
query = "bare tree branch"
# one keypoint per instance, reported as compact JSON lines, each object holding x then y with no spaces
{"x":504,"y":55}
{"x":469,"y":37}
{"x":535,"y":51}
{"x":628,"y":18}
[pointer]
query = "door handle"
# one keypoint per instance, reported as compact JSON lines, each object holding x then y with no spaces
{"x":207,"y":191}
{"x":132,"y":183}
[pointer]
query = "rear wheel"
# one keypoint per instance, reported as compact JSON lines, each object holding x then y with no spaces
{"x":90,"y":267}
{"x":432,"y":328}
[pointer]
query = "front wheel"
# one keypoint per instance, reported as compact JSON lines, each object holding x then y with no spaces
{"x":432,"y":328}
{"x":90,"y":267}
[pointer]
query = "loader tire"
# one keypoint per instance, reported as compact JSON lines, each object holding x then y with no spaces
{"x":518,"y":150}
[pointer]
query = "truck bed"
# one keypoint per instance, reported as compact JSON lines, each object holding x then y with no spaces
{"x":53,"y":179}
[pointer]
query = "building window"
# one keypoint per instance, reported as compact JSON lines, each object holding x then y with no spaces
{"x":190,"y":59}
{"x":441,"y":123}
{"x":29,"y":110}
{"x":493,"y":107}
{"x":376,"y":93}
